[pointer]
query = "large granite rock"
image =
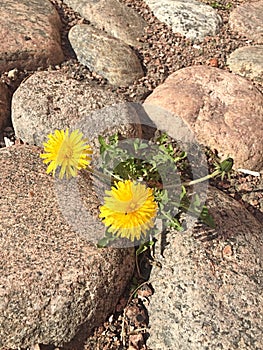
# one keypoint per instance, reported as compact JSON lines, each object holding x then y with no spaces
{"x":115,"y":18}
{"x":223,"y":110}
{"x":191,"y":18}
{"x":51,"y":100}
{"x":53,"y":280}
{"x":29,"y":35}
{"x":208,"y":293}
{"x":247,"y":61}
{"x":106,"y":55}
{"x":247,"y":20}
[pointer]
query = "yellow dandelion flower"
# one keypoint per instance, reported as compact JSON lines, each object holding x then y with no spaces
{"x":67,"y":151}
{"x":129,"y":210}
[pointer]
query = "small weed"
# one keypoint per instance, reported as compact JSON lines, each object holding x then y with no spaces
{"x":216,"y":5}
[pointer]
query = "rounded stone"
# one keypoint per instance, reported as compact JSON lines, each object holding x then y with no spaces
{"x":53,"y":279}
{"x":208,"y":291}
{"x":29,"y":35}
{"x":113,"y":17}
{"x":247,"y":19}
{"x":107,"y":56}
{"x":248,"y":62}
{"x":223,"y":110}
{"x":51,"y":100}
{"x":190,"y":18}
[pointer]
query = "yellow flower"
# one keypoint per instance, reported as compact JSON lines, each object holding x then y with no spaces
{"x":129,"y":210}
{"x":70,"y":152}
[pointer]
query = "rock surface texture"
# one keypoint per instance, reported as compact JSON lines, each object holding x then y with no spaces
{"x":113,"y":17}
{"x":51,"y":100}
{"x":224,"y":111}
{"x":208,"y":293}
{"x":106,"y":55}
{"x":52,"y":280}
{"x":247,"y":20}
{"x":29,"y":34}
{"x":247,"y":61}
{"x":191,"y":18}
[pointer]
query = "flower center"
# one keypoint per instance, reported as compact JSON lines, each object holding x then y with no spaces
{"x":65,"y":152}
{"x":131,"y":207}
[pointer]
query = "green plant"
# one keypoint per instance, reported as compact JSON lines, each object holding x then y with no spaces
{"x":218,"y":6}
{"x":139,"y":160}
{"x":148,"y":179}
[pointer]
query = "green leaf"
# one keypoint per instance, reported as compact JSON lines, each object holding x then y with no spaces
{"x":227,"y":165}
{"x":163,"y":138}
{"x":206,"y":218}
{"x":143,"y":247}
{"x":196,"y":202}
{"x":114,"y":139}
{"x":103,"y":145}
{"x":102,"y":243}
{"x":183,"y":193}
{"x":182,"y":156}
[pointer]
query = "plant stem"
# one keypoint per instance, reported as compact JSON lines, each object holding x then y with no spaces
{"x":164,"y":214}
{"x":100,"y":175}
{"x":207,"y":177}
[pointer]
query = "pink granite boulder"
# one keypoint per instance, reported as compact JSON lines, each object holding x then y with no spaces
{"x":223,"y":110}
{"x":29,"y":35}
{"x":247,"y":19}
{"x":53,"y":279}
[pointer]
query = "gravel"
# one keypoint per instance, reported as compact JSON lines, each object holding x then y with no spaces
{"x":162,"y":52}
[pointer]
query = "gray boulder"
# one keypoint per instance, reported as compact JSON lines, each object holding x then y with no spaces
{"x":191,"y":18}
{"x":247,"y":61}
{"x":113,"y":17}
{"x":105,"y":55}
{"x":208,"y":293}
{"x":51,"y":100}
